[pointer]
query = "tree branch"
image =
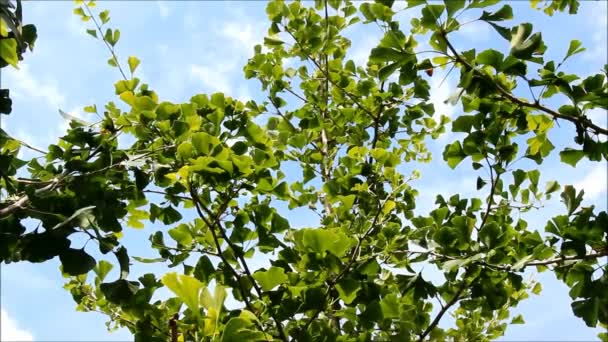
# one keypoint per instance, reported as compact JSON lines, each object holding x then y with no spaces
{"x":443,"y":310}
{"x":217,"y":223}
{"x":124,"y":76}
{"x":584,"y":122}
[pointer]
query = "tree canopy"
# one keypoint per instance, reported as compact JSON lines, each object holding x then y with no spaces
{"x":212,"y":172}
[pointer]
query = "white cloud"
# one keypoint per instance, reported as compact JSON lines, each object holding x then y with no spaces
{"x":244,"y":36}
{"x":440,"y":92}
{"x":163,"y":49}
{"x":25,"y":85}
{"x":163,"y":9}
{"x":190,"y":22}
{"x":243,"y":94}
{"x":10,"y":331}
{"x":594,"y":182}
{"x":597,"y":22}
{"x":213,"y":79}
{"x":476,"y":31}
{"x":361,"y":49}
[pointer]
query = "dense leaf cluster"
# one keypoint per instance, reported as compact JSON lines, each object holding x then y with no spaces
{"x":354,"y":132}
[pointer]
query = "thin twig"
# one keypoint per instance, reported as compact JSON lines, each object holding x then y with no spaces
{"x":443,"y":310}
{"x":583,"y":121}
{"x":106,"y":42}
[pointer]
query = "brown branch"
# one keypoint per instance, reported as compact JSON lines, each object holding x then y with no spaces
{"x":169,"y":195}
{"x":24,"y":144}
{"x":220,"y":253}
{"x":22,"y":201}
{"x":291,"y":126}
{"x":443,"y":310}
{"x":536,"y":105}
{"x":173,"y":327}
{"x":567,"y":258}
{"x":509,"y":268}
{"x":18,"y":204}
{"x":494,"y":182}
{"x":217,"y":224}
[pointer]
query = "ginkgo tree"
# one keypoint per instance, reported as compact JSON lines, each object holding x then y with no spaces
{"x":349,"y":130}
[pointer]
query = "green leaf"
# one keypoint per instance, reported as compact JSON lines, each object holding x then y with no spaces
{"x":570,"y":156}
{"x":76,"y":261}
{"x":452,"y":265}
{"x":278,"y":224}
{"x":463,"y":123}
{"x":104,"y":16}
{"x":452,"y":6}
{"x":90,"y":109}
{"x":8,"y":51}
{"x":504,"y":13}
{"x":519,"y":319}
{"x":537,"y":289}
{"x":133,"y":63}
{"x":181,"y":234}
{"x":414,"y":3}
{"x":431,"y":15}
{"x":239,"y":329}
{"x":490,"y":57}
{"x":387,"y":71}
{"x":383,"y":54}
{"x":522,"y":32}
{"x":273,"y":41}
{"x":145,"y":103}
{"x":213,"y":303}
{"x":204,"y":270}
{"x":390,"y":306}
{"x":186,"y":288}
{"x":120,"y":291}
{"x":490,"y":234}
{"x":271,"y":278}
{"x":525,"y":49}
{"x":588,"y":310}
{"x":185,"y":150}
{"x":204,"y":143}
{"x":123,"y":261}
{"x":482,"y":3}
{"x":480,"y":183}
{"x":322,"y":240}
{"x":574,"y":48}
{"x":503,"y":31}
{"x":453,"y":154}
{"x":571,"y":199}
{"x":551,"y":187}
{"x":92,"y":33}
{"x":148,"y":260}
{"x":347,"y":289}
{"x":102,"y":269}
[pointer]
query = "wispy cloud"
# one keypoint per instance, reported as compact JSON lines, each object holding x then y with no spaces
{"x":475,"y":31}
{"x":441,"y":90}
{"x":243,"y":35}
{"x":597,"y":22}
{"x":594,"y":182}
{"x":25,"y":85}
{"x":213,"y":79}
{"x":10,"y":330}
{"x":163,"y":9}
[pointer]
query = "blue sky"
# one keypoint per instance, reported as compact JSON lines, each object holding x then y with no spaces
{"x":200,"y":47}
